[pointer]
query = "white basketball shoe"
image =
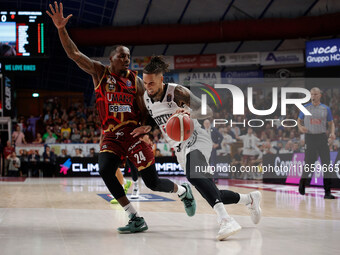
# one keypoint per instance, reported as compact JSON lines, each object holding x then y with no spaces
{"x":254,"y":206}
{"x":228,"y":227}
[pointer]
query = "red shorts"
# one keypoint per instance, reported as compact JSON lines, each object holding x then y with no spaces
{"x":121,"y":143}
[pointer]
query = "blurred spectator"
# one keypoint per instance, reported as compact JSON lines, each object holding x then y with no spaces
{"x":65,"y":132}
{"x":33,"y":161}
{"x":288,"y":147}
{"x":38,"y":139}
{"x":22,"y":124}
{"x":18,"y":137}
{"x":64,"y":154}
{"x":296,"y":148}
{"x":85,"y":136}
{"x":92,"y":153}
{"x":14,"y":164}
{"x":267,"y":148}
{"x":51,"y":138}
{"x":79,"y":153}
{"x":231,"y":131}
{"x":227,"y":139}
{"x":23,"y":161}
{"x":49,"y":159}
{"x":158,"y":153}
{"x":55,"y":114}
{"x":47,"y":116}
{"x":278,"y":148}
{"x":250,"y":149}
{"x":216,"y":138}
{"x":75,"y":137}
{"x":48,"y":134}
{"x":95,"y":139}
{"x":48,"y":155}
{"x":8,"y":150}
{"x":32,"y":122}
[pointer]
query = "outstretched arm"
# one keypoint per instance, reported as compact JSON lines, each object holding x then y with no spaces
{"x":183,"y":96}
{"x":90,"y":66}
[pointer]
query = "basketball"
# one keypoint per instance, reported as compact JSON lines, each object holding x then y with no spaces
{"x":179,"y":127}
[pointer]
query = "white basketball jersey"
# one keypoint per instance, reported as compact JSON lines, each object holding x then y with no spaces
{"x":162,"y":110}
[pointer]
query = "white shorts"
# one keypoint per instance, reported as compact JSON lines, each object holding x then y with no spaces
{"x":200,"y":140}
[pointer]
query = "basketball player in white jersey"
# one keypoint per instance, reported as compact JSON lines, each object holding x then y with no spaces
{"x":163,"y":100}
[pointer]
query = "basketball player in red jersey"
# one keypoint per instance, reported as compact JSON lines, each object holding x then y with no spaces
{"x":119,"y":101}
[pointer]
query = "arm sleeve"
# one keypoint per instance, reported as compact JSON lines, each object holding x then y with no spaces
{"x":301,"y":115}
{"x":329,"y":114}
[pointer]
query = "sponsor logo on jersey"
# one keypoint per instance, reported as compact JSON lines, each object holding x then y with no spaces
{"x":162,"y":119}
{"x":134,"y":145}
{"x":315,"y":121}
{"x":128,"y":83}
{"x":119,"y":97}
{"x":111,"y":81}
{"x":120,"y":108}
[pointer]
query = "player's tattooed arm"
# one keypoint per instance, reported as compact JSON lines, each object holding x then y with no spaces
{"x":183,"y":96}
{"x":90,"y":66}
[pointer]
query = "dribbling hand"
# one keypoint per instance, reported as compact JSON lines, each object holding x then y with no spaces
{"x":183,"y":111}
{"x":57,"y":15}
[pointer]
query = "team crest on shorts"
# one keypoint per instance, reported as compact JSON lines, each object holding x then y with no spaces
{"x":128,"y":83}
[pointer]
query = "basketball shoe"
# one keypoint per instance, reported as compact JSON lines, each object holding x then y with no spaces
{"x":228,"y":227}
{"x":135,"y":224}
{"x":254,"y":206}
{"x":189,"y":201}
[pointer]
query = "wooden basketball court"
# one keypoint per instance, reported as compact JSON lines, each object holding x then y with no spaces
{"x":71,"y":216}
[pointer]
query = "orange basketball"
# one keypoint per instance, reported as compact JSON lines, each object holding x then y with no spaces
{"x":179,"y":127}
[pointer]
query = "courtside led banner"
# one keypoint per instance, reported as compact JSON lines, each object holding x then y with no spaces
{"x":323,"y":53}
{"x":287,"y":169}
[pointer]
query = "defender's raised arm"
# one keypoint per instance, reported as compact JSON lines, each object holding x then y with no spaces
{"x":90,"y":66}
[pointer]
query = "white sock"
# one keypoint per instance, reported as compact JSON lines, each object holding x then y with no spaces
{"x":245,"y":199}
{"x":135,"y":185}
{"x":181,"y":190}
{"x":129,"y":209}
{"x":221,"y":212}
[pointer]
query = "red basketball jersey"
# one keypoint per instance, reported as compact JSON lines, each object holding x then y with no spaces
{"x":115,"y":100}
